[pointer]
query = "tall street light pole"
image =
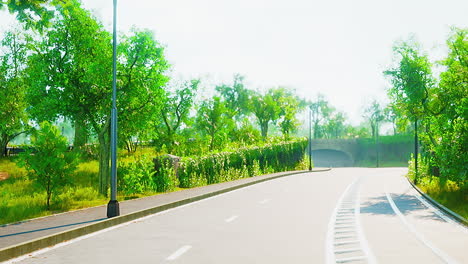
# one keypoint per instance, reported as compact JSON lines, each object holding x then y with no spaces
{"x":113,"y":205}
{"x":310,"y":139}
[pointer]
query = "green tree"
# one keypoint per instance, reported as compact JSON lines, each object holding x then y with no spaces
{"x":141,"y":77}
{"x":33,"y":13}
{"x":13,"y":118}
{"x":213,"y":120}
{"x":335,"y":126}
{"x":391,"y":116}
{"x":412,"y":83}
{"x":446,"y":123}
{"x":235,"y":97}
{"x":411,"y":80}
{"x":71,"y":77}
{"x":49,"y":163}
{"x":266,"y":109}
{"x":290,"y":106}
{"x":175,"y":112}
{"x":374,"y":113}
{"x":320,"y":112}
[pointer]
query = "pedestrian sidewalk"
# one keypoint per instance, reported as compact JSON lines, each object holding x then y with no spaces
{"x":20,"y":234}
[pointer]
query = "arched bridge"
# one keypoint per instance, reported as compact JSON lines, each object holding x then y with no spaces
{"x":334,"y":152}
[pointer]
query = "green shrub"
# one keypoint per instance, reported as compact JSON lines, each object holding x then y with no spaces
{"x":49,"y":163}
{"x":165,"y":178}
{"x":253,"y":161}
{"x":136,"y":176}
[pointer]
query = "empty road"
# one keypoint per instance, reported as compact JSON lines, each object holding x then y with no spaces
{"x":346,"y":215}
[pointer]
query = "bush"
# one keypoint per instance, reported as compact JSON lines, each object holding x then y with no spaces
{"x":50,"y":163}
{"x":165,"y":178}
{"x":244,"y":162}
{"x":136,"y":176}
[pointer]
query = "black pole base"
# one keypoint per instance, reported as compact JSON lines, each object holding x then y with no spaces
{"x":113,"y":208}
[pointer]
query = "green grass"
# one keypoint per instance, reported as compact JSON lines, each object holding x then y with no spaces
{"x":20,"y":199}
{"x":382,"y":164}
{"x":449,"y":194}
{"x":8,"y":164}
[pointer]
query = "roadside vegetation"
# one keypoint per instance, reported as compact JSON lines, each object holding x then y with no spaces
{"x":436,"y":108}
{"x":55,"y":76}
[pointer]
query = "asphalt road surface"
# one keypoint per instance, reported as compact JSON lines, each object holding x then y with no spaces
{"x":349,"y":215}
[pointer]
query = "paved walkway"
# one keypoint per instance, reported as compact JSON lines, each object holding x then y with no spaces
{"x":14,"y":234}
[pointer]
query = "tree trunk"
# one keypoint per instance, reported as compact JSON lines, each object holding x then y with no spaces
{"x":212,"y":135}
{"x":49,"y":192}
{"x":81,"y":135}
{"x":264,"y":129}
{"x":104,"y":157}
{"x":416,"y":152}
{"x":316,"y":130}
{"x":3,"y":145}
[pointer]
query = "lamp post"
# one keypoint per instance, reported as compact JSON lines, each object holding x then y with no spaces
{"x":416,"y":151}
{"x":310,"y":139}
{"x":113,"y":205}
{"x":377,"y":143}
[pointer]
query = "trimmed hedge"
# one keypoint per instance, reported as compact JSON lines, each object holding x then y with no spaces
{"x":245,"y":162}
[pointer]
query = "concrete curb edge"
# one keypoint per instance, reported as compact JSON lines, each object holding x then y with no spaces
{"x":51,"y":240}
{"x":460,"y":219}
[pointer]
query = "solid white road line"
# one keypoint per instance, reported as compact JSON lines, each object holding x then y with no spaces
{"x":442,"y":255}
{"x":230,"y":219}
{"x":439,"y":213}
{"x":179,"y":252}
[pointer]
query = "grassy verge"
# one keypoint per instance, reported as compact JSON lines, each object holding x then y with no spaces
{"x":449,"y":194}
{"x":382,"y":164}
{"x":21,"y":199}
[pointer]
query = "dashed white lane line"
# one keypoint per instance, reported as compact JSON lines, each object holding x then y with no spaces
{"x":232,"y":218}
{"x":59,"y":245}
{"x":179,"y":252}
{"x":442,"y":255}
{"x":264,"y":201}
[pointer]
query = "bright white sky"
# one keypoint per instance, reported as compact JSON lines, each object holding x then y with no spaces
{"x":338,"y":48}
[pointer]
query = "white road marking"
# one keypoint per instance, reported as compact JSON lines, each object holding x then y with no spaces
{"x":346,"y":242}
{"x":329,"y":252}
{"x":179,"y":252}
{"x":341,"y":226}
{"x":346,"y":260}
{"x":232,"y":218}
{"x":59,"y":245}
{"x":347,"y":250}
{"x":264,"y":201}
{"x":442,"y":255}
{"x":439,"y":213}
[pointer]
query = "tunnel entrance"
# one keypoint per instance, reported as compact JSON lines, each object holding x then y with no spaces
{"x":331,"y":158}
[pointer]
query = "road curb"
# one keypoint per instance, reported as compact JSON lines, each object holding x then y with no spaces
{"x":51,"y":240}
{"x":460,"y":219}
